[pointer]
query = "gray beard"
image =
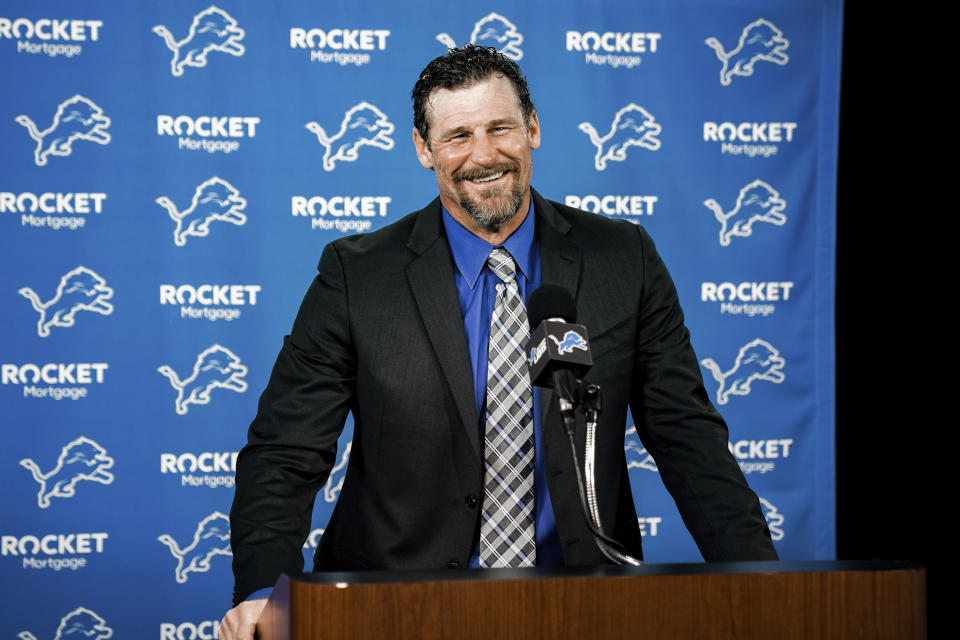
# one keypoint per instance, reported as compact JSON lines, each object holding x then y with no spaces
{"x":493,"y":210}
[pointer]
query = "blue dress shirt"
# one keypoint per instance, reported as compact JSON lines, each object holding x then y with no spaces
{"x":476,"y":286}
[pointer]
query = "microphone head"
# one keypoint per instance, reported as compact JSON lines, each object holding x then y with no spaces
{"x":551,"y":301}
{"x":559,"y":345}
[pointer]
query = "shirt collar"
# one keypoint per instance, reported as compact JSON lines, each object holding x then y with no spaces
{"x":470,"y":252}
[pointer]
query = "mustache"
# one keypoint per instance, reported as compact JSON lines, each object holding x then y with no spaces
{"x":485,"y":172}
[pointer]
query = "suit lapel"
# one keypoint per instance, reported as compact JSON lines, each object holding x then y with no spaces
{"x":430,"y":275}
{"x":559,"y":265}
{"x":559,"y":255}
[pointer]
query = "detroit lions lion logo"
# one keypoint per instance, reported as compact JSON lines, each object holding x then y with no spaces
{"x":637,"y":455}
{"x":774,"y":519}
{"x":213,"y":200}
{"x":78,"y":118}
{"x":80,"y":289}
{"x":339,"y":472}
{"x":571,"y":340}
{"x":492,"y":30}
{"x":81,"y":459}
{"x":757,"y":360}
{"x":757,"y":202}
{"x":632,"y":126}
{"x":760,"y":40}
{"x":212,"y":30}
{"x":362,"y":125}
{"x":79,"y":624}
{"x":212,"y":538}
{"x":216,"y":367}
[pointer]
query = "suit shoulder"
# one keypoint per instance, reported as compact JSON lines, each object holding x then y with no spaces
{"x":595,"y":225}
{"x":391,"y":236}
{"x":392,"y":246}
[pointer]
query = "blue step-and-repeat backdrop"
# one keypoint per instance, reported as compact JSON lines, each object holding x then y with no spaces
{"x":171,"y":172}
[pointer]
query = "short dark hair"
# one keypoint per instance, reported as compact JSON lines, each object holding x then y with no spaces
{"x":462,"y":67}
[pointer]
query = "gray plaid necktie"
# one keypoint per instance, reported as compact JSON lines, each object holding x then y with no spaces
{"x":507,"y":537}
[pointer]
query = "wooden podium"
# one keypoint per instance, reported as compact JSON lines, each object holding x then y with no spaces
{"x":717,"y":600}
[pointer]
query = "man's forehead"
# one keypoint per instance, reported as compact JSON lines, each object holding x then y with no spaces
{"x":486,"y":89}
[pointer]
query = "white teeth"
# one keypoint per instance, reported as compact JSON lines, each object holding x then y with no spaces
{"x":489,"y":178}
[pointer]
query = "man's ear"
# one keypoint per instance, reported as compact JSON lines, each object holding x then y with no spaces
{"x":423,"y":153}
{"x":533,"y":131}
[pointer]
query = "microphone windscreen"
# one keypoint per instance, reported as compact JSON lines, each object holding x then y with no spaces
{"x":550,"y":301}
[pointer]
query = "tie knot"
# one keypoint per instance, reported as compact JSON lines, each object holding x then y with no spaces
{"x":501,"y":263}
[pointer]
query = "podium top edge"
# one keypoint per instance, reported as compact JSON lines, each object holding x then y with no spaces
{"x":698,"y":568}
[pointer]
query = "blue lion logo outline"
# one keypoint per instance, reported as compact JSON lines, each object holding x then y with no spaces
{"x":571,"y":340}
{"x":80,"y":289}
{"x":756,"y":360}
{"x":362,"y":125}
{"x":216,"y":367}
{"x":80,"y":459}
{"x":337,"y":475}
{"x":632,"y":126}
{"x":774,"y":519}
{"x":212,"y":538}
{"x":636,"y":454}
{"x":77,"y":118}
{"x":492,"y":30}
{"x":81,"y":623}
{"x":756,"y":202}
{"x":213,"y":200}
{"x":213,"y":29}
{"x":760,"y":40}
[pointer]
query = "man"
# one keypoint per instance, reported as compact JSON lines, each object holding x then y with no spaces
{"x":396,"y":328}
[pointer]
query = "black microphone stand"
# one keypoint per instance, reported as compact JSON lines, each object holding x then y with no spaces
{"x":571,"y":392}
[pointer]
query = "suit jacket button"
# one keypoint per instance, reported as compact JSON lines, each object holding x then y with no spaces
{"x":453,"y":565}
{"x":471,"y":501}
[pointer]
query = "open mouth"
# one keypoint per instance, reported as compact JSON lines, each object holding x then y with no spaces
{"x":489,"y":178}
{"x":485,"y":175}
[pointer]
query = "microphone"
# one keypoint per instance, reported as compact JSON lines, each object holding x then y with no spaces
{"x":557,"y":345}
{"x":558,"y":357}
{"x":558,"y":351}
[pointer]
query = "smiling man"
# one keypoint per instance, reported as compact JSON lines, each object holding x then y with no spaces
{"x":479,"y":149}
{"x":417,"y":329}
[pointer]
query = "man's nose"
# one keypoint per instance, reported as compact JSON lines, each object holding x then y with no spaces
{"x":483,"y":151}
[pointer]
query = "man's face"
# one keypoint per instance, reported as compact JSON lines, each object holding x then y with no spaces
{"x":480,"y":152}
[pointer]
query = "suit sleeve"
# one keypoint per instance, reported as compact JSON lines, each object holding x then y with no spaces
{"x":292,"y":443}
{"x":684,"y":432}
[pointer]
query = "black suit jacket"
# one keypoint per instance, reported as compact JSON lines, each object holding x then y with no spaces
{"x":379,"y":333}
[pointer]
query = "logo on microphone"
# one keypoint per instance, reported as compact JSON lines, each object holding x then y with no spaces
{"x":757,"y":360}
{"x":536,"y":352}
{"x":760,"y":40}
{"x":571,"y":340}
